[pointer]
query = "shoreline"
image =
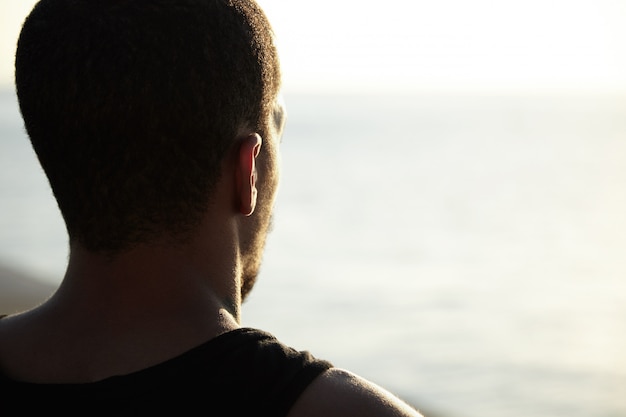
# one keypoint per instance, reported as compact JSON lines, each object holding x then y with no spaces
{"x":19,"y":291}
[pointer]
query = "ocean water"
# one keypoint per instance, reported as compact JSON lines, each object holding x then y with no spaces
{"x":467,"y":252}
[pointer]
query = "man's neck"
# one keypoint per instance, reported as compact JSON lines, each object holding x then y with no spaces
{"x":116,"y":316}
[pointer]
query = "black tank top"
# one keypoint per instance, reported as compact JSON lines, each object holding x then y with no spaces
{"x":245,"y":372}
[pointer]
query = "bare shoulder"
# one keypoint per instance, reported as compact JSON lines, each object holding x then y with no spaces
{"x":11,"y":334}
{"x":341,"y":393}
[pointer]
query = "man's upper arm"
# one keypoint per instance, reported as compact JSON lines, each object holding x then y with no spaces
{"x":340,"y":393}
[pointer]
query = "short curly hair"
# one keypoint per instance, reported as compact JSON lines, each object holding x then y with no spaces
{"x":131,"y":106}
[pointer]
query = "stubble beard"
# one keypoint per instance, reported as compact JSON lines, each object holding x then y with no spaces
{"x":252,"y":256}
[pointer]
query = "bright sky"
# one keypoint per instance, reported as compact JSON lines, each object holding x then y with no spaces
{"x":425,"y":44}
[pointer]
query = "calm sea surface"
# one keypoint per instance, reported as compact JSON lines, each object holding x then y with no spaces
{"x":466,"y":252}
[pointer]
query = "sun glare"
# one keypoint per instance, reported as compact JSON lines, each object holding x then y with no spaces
{"x":452,"y":44}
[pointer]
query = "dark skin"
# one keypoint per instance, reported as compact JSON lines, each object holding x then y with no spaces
{"x":158,"y":300}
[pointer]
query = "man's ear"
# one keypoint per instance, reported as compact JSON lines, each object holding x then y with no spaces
{"x":246,"y":173}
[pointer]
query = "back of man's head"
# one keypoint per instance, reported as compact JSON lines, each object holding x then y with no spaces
{"x":131,"y":105}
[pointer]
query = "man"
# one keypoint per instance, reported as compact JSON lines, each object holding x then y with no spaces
{"x":157,"y":123}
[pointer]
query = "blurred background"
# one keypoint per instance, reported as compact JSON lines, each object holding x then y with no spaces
{"x":451,"y":219}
